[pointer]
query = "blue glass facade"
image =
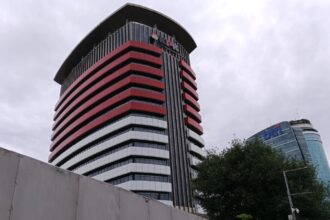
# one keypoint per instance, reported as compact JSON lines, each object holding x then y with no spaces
{"x":283,"y":137}
{"x":298,"y":140}
{"x":318,"y":156}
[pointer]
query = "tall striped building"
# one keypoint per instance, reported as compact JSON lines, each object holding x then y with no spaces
{"x":128,"y":111}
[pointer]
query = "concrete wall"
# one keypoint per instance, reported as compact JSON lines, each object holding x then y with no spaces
{"x":33,"y":190}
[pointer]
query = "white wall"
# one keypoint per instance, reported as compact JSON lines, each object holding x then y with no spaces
{"x":33,"y":190}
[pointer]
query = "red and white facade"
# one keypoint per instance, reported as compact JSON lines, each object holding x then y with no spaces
{"x":128,"y":113}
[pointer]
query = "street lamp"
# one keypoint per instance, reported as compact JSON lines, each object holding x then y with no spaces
{"x":293,"y":210}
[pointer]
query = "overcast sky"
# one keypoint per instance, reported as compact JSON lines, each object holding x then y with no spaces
{"x":257,"y":63}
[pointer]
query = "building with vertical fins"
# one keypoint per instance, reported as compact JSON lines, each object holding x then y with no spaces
{"x":299,"y":140}
{"x":128,"y":111}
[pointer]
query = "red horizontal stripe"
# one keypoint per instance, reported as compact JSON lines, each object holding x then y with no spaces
{"x":124,"y":70}
{"x":186,"y":67}
{"x":185,"y":76}
{"x":191,"y":123}
{"x":129,"y":56}
{"x":189,"y":89}
{"x":192,"y":112}
{"x":100,"y":63}
{"x":132,"y":92}
{"x":85,"y":130}
{"x":123,"y":83}
{"x":190,"y":100}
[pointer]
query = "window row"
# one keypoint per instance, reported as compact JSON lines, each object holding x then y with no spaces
{"x":155,"y":195}
{"x":140,"y":177}
{"x":60,"y":135}
{"x":130,"y":31}
{"x":120,"y":132}
{"x":119,"y":148}
{"x":92,"y":98}
{"x":120,"y":163}
{"x":111,"y":135}
{"x":112,"y":41}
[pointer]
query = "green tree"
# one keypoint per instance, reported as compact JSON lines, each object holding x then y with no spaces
{"x":248,"y":178}
{"x":244,"y":216}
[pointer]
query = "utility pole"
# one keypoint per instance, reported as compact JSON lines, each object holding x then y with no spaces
{"x":289,"y":196}
{"x":293,"y":210}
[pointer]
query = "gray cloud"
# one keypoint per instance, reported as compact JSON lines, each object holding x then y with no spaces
{"x":258,"y":63}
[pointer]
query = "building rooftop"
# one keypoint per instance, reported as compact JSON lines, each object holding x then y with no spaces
{"x":300,"y":121}
{"x":128,"y":12}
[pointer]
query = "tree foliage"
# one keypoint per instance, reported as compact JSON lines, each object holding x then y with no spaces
{"x":248,"y":178}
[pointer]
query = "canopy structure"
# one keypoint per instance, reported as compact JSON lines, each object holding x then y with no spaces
{"x":129,"y":12}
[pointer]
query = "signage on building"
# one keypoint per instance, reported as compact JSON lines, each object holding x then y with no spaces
{"x":272,"y":132}
{"x":167,"y":42}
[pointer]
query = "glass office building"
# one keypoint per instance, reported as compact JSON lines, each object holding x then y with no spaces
{"x":315,"y":147}
{"x":283,"y":137}
{"x":128,"y":111}
{"x":299,"y":140}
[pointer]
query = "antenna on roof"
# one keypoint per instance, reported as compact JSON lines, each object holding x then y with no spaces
{"x":269,"y":121}
{"x":297,"y":114}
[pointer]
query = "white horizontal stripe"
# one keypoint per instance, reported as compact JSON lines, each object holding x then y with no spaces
{"x":166,"y":202}
{"x":197,"y":150}
{"x":146,"y":185}
{"x":194,"y":160}
{"x":133,"y":167}
{"x":108,"y":129}
{"x":130,"y":151}
{"x":136,"y":135}
{"x":311,"y":132}
{"x":302,"y":125}
{"x":193,"y":173}
{"x":196,"y":137}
